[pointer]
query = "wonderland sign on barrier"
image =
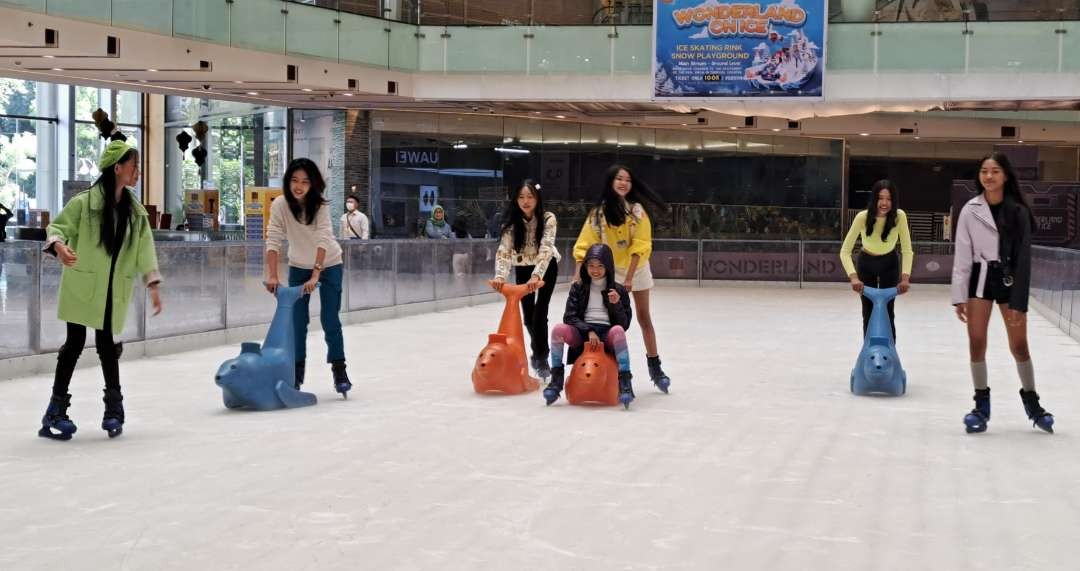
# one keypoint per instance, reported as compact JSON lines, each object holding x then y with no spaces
{"x":781,"y":266}
{"x":740,"y":50}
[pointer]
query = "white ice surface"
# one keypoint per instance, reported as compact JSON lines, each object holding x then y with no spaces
{"x":759,"y":459}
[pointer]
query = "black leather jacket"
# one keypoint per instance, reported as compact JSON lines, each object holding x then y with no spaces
{"x":578,"y":302}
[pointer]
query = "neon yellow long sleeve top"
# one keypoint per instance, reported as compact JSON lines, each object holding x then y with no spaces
{"x":633,"y":237}
{"x":874,"y":245}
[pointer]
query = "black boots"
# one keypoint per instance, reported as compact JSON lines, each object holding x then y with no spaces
{"x":298,"y":379}
{"x":659,"y":378}
{"x":975,"y":421}
{"x":1038,"y":415}
{"x":555,"y":385}
{"x":542,"y":368}
{"x":341,"y":379}
{"x":626,"y":388}
{"x":56,"y":424}
{"x":113,"y":420}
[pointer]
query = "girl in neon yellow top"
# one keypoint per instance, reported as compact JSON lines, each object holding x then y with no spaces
{"x":878,"y":264}
{"x":621,"y":221}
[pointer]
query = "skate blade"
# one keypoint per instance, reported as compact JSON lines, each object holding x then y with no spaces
{"x":46,"y":432}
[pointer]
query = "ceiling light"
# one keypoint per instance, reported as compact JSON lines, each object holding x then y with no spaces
{"x":253,"y":93}
{"x":917,"y":137}
{"x":560,"y":116}
{"x":306,"y":89}
{"x":238,"y":82}
{"x":1019,"y":141}
{"x":48,"y":57}
{"x":864,"y":134}
{"x":58,"y":69}
{"x":733,"y":128}
{"x":460,"y":146}
{"x":347,"y":94}
{"x":152,"y":70}
{"x":511,"y":151}
{"x":776,"y":130}
{"x":142,"y":81}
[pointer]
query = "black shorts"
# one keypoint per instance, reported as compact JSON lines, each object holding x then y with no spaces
{"x":995,"y":288}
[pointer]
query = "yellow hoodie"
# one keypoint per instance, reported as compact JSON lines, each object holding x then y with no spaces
{"x":633,"y":237}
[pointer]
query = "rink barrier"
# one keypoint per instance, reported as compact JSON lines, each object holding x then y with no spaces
{"x":213,"y":293}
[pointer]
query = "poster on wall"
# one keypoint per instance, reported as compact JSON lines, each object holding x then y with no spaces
{"x":1055,"y":206}
{"x":709,"y":49}
{"x":429,"y":197}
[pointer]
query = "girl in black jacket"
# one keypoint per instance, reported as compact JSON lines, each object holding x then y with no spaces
{"x":597,"y":311}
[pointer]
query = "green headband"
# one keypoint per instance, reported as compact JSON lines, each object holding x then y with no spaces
{"x":113,"y":153}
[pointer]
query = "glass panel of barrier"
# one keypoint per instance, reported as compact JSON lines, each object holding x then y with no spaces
{"x":632,"y":49}
{"x":453,"y":268}
{"x":259,"y":24}
{"x":431,"y":48}
{"x":18,"y":270}
{"x":674,"y":259}
{"x":932,"y":262}
{"x":403,"y":46}
{"x":311,"y":31}
{"x":35,"y":5}
{"x":194,"y":277}
{"x":584,"y":50}
{"x":248,"y":302}
{"x":920,"y":47}
{"x":94,"y":10}
{"x":363,"y":40}
{"x":203,"y":19}
{"x":492,"y":49}
{"x":1014,"y":47}
{"x":147,"y":15}
{"x":370,"y":280}
{"x":851,"y":47}
{"x":415,"y":272}
{"x":54,"y":331}
{"x":482,"y":258}
{"x":750,"y":260}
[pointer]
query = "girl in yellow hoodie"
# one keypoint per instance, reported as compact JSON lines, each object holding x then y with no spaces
{"x":621,"y":221}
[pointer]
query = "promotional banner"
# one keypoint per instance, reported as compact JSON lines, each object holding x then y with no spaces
{"x":1055,"y":205}
{"x":740,"y":50}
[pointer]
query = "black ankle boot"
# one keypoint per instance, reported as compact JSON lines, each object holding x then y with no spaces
{"x":56,"y":419}
{"x":542,"y":368}
{"x":341,"y":379}
{"x":626,"y":388}
{"x":299,"y":378}
{"x":659,"y":378}
{"x":555,"y":385}
{"x":1038,"y":415}
{"x":113,"y":420}
{"x":975,"y":421}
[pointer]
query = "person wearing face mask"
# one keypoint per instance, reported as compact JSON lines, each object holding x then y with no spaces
{"x":302,"y":216}
{"x":881,"y":229}
{"x":354,"y":224}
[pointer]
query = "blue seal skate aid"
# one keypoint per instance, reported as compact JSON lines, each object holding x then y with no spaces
{"x":594,"y":379}
{"x":878,"y":369}
{"x":501,"y":367}
{"x":263,"y":378}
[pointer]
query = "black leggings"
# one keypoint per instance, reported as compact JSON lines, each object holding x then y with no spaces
{"x":534,"y":307}
{"x":108,"y":351}
{"x":881,"y":272}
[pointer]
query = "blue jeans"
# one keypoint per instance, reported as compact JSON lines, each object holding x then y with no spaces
{"x":329,"y":305}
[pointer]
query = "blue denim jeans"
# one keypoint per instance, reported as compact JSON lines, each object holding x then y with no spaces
{"x":329,"y":305}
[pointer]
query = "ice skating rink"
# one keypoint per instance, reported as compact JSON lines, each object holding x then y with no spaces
{"x":759,"y":459}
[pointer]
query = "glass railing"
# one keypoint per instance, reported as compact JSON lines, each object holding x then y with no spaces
{"x":534,"y":37}
{"x":1055,"y":284}
{"x":212,"y":286}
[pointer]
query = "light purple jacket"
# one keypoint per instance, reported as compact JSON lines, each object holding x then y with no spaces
{"x":977,"y":241}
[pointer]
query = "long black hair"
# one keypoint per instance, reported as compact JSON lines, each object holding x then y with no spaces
{"x":871,"y":208}
{"x":313,"y":199}
{"x":1012,"y":190}
{"x":514,"y":218}
{"x":640,"y":192}
{"x":115,"y":215}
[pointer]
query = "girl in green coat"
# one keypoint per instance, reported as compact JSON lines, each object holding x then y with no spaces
{"x":103,"y":239}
